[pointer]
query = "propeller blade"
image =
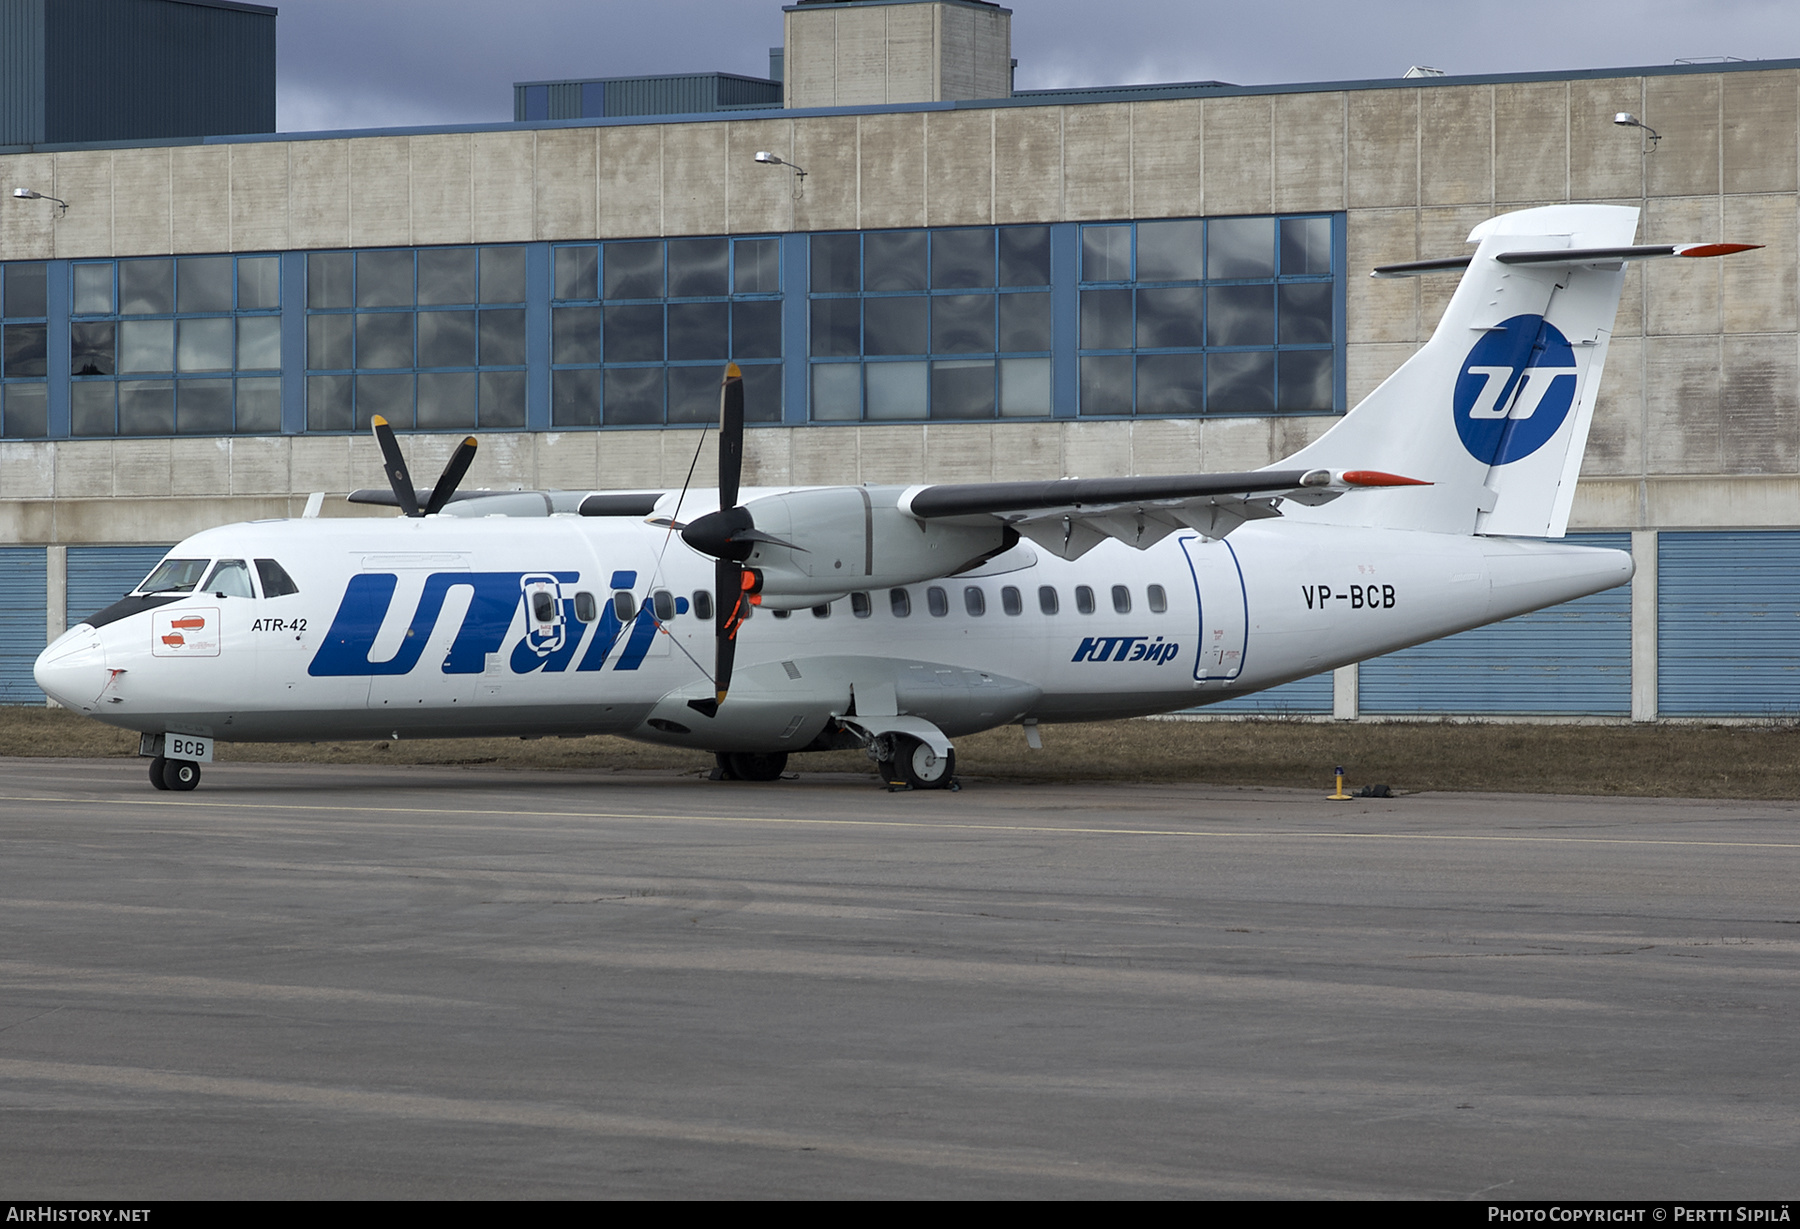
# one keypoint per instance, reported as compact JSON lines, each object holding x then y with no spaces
{"x":731,"y":435}
{"x":397,"y":474}
{"x":454,"y":469}
{"x":731,"y":581}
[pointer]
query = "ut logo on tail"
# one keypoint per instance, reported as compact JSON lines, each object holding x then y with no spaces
{"x":1516,"y":388}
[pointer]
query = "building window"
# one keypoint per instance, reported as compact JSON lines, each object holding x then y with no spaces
{"x":1209,"y":316}
{"x":24,"y":361}
{"x":428,"y":338}
{"x":942,"y":324}
{"x":187,"y":345}
{"x":641,"y":330}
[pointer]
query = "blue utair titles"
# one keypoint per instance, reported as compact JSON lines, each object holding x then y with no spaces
{"x":1126,"y":648}
{"x":495,"y":602}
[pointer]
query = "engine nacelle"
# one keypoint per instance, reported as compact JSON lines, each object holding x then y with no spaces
{"x":857,"y":538}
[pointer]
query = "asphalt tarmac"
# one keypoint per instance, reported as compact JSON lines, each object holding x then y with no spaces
{"x":450,"y":982}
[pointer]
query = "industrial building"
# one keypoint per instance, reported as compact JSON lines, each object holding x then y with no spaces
{"x":965,"y":284}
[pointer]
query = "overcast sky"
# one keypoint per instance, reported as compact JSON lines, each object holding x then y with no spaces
{"x":361,"y":64}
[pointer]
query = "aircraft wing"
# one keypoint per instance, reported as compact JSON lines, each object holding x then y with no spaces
{"x":1070,"y":516}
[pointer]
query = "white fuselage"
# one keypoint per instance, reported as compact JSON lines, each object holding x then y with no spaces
{"x":426,"y":628}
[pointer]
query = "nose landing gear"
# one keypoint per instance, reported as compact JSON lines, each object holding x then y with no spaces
{"x":180,"y":775}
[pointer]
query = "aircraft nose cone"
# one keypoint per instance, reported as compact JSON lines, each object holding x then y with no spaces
{"x":72,"y":670}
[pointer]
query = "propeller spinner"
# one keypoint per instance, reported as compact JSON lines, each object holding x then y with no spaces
{"x":400,"y":478}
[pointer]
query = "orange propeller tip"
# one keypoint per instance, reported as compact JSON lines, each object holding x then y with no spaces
{"x":733,"y":372}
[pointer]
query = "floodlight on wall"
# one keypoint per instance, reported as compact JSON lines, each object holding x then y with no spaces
{"x":768,"y":159}
{"x":26,"y":194}
{"x":1626,"y":119}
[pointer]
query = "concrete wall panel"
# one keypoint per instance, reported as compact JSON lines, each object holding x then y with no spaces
{"x":1238,"y":155}
{"x":322,"y":463}
{"x":767,"y":457}
{"x":809,"y":70}
{"x":631,"y":181}
{"x":960,"y":452}
{"x":201,"y":175}
{"x":1606,"y":162}
{"x":1165,"y":158}
{"x":861,"y":63}
{"x":1384,"y":309}
{"x":1097,"y":162}
{"x":1165,"y":446}
{"x":827,"y":148}
{"x":27,"y":471}
{"x":1366,"y":366}
{"x":501,"y":166}
{"x":1682,"y":296}
{"x":141,"y":467}
{"x":959,"y":168}
{"x":30,"y":230}
{"x":140,"y":180}
{"x":570,"y":460}
{"x":911,"y":50}
{"x":890,"y":454}
{"x":1685,"y":110}
{"x":825,"y":457}
{"x":259,"y":466}
{"x":1732,"y":503}
{"x":1310,"y":137}
{"x":1759,"y":118}
{"x":1027,"y":451}
{"x":1758,"y":292}
{"x":695,"y":162}
{"x":759,"y":198}
{"x":259,"y":196}
{"x":199,"y":466}
{"x":1443,"y":232}
{"x":891,"y":170}
{"x":1531,"y":141}
{"x":1228,"y":445}
{"x":84,"y":469}
{"x":319,"y":208}
{"x":1456,"y":145}
{"x":1028,"y":164}
{"x":567,"y":199}
{"x":1760,"y":400}
{"x":1616,"y":439}
{"x":443,"y":180}
{"x":1097,"y":450}
{"x":1383,"y":148}
{"x":380,"y":191}
{"x":85,"y":180}
{"x":1683,"y":418}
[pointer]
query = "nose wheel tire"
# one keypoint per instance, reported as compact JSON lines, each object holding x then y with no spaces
{"x":156,"y":772}
{"x":180,"y":774}
{"x":919,"y":767}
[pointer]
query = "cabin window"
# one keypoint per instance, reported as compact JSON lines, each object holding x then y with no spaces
{"x":937,"y":601}
{"x":1159,"y":601}
{"x":1084,"y":599}
{"x":231,"y":578}
{"x":859,"y":605}
{"x":1010,"y":601}
{"x":585,"y":607}
{"x":1047,"y":599}
{"x":1121,"y":596}
{"x":624,"y":605}
{"x":275,"y":580}
{"x":664,"y":602}
{"x":900,"y":602}
{"x":174,"y":576}
{"x":783,"y":614}
{"x":822,"y":611}
{"x":702,"y":604}
{"x":543,"y":606}
{"x":975,"y":601}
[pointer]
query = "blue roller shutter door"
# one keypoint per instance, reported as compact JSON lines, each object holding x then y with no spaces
{"x":1728,"y":624}
{"x":101,"y":575}
{"x":22,"y":596}
{"x":1569,"y":660}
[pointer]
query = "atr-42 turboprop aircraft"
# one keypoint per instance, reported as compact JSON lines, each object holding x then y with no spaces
{"x":897,"y":618}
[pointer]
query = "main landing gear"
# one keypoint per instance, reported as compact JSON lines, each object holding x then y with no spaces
{"x":749,"y":765}
{"x":174,"y":774}
{"x":906,"y":761}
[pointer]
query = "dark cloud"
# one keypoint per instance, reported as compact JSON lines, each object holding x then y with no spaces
{"x":351,"y":63}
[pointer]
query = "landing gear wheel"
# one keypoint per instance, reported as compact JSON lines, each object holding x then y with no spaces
{"x":180,"y":774}
{"x":156,"y":772}
{"x":921,"y":767}
{"x":758,"y":765}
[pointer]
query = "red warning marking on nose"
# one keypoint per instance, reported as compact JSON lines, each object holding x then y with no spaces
{"x":174,"y":640}
{"x":191,"y":623}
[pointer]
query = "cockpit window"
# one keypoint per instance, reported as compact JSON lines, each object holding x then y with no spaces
{"x":230,"y":578}
{"x":174,"y":576}
{"x":275,"y":580}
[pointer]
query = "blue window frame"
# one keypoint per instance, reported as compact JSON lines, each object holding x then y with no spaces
{"x":24,"y":351}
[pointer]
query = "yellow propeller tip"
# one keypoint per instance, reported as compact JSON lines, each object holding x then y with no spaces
{"x":732,"y":372}
{"x":378,"y":421}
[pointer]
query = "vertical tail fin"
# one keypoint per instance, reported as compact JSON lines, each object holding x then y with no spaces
{"x":1494,"y":409}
